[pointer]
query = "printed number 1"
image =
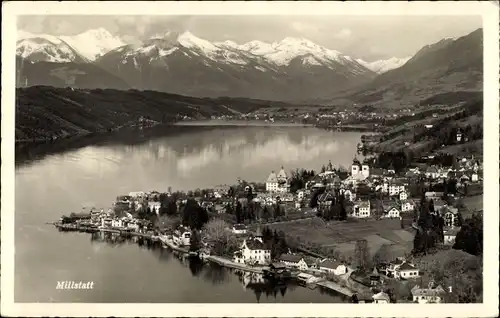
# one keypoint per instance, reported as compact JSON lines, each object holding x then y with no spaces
{"x":449,"y":289}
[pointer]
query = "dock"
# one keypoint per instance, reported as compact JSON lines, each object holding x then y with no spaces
{"x":336,"y":287}
{"x":93,"y":229}
{"x":227,"y":263}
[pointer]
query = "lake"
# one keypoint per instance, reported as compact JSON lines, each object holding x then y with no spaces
{"x":62,"y":177}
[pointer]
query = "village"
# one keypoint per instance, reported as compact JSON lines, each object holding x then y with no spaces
{"x":350,"y":230}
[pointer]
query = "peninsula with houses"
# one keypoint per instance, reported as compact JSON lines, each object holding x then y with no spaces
{"x":376,"y":232}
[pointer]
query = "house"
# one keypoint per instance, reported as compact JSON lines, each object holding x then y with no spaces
{"x":407,"y":205}
{"x":294,"y":261}
{"x":277,"y":182}
{"x":381,"y":298}
{"x":332,"y":266}
{"x":254,"y":252}
{"x":361,"y":209}
{"x":117,"y":223}
{"x":406,"y":271}
{"x":396,"y":187}
{"x":391,"y":212}
{"x":325,"y":201}
{"x":272,"y":182}
{"x":432,"y":172}
{"x":239,"y":229}
{"x":427,"y":295}
{"x":403,"y":195}
{"x":182,"y":236}
{"x":450,"y":235}
{"x":451,"y":217}
{"x":474,"y":177}
{"x":298,"y":204}
{"x":390,"y":269}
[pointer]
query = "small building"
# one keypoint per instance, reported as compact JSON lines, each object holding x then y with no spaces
{"x":391,"y":212}
{"x":451,"y":217}
{"x":428,"y":295}
{"x":407,"y":205}
{"x":406,"y":271}
{"x":239,"y":229}
{"x":450,"y":235}
{"x":254,"y":252}
{"x":325,"y":201}
{"x":117,"y":223}
{"x":403,"y":195}
{"x":332,"y":266}
{"x":396,"y":187}
{"x":182,"y":236}
{"x":294,"y":261}
{"x":381,"y":298}
{"x":362,"y":209}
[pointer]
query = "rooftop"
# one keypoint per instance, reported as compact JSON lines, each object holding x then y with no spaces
{"x":333,"y":264}
{"x":290,"y":258}
{"x":407,"y":267}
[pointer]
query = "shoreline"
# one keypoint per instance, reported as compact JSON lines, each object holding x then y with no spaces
{"x":211,"y":258}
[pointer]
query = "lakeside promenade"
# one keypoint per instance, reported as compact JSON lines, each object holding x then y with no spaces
{"x":212,"y":258}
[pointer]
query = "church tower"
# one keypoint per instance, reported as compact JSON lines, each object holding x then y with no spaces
{"x":355,"y":167}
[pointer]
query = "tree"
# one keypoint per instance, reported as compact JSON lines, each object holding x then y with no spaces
{"x":470,"y":237}
{"x":265,"y":213}
{"x":215,"y":229}
{"x":195,"y":241}
{"x":314,"y":199}
{"x":239,"y":212}
{"x":362,"y":255}
{"x":194,"y":215}
{"x":171,"y":207}
{"x":277,"y":210}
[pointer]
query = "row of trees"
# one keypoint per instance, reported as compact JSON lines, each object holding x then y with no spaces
{"x":430,"y":228}
{"x":470,"y":237}
{"x":299,"y":178}
{"x":275,"y":241}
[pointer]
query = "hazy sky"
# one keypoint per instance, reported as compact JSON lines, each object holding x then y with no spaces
{"x":367,"y":37}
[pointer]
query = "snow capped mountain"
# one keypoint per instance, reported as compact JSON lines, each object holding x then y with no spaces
{"x":383,"y":66}
{"x":293,"y":68}
{"x":93,"y":43}
{"x":46,"y":48}
{"x":75,"y":48}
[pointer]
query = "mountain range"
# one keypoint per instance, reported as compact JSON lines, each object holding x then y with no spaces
{"x":293,"y":69}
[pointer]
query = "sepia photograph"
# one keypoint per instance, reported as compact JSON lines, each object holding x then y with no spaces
{"x":259,"y":159}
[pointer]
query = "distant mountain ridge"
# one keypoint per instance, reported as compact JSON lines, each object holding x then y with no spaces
{"x":185,"y":64}
{"x":293,"y":69}
{"x":382,"y":66}
{"x":44,"y":112}
{"x":449,"y":65}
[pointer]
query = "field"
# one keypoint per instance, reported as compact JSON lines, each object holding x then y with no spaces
{"x":473,"y":203}
{"x":342,"y":236}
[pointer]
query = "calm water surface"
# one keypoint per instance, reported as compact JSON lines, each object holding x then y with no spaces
{"x":62,"y":181}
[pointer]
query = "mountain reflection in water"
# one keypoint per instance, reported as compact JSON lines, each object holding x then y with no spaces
{"x":60,"y":178}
